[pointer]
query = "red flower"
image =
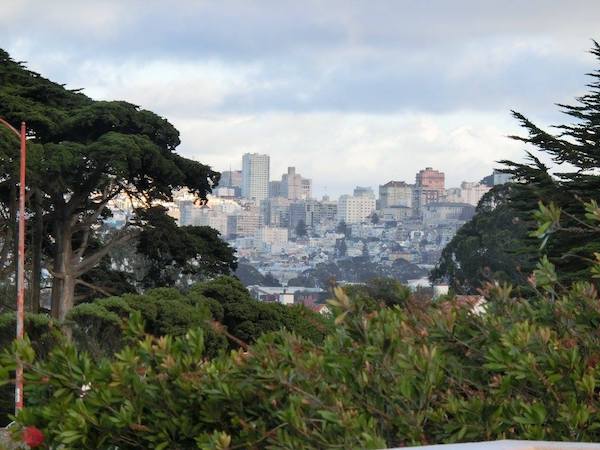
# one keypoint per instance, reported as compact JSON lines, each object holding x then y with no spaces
{"x":33,"y":436}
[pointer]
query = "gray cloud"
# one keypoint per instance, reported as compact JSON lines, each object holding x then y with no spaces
{"x":247,"y":68}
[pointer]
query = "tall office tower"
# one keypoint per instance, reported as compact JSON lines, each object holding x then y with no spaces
{"x":306,"y":188}
{"x":395,"y":193}
{"x":429,"y":188}
{"x":294,"y":187}
{"x":255,"y":177}
{"x":275,"y":189}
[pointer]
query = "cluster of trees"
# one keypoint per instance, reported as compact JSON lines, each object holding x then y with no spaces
{"x":221,"y":308}
{"x":393,"y":372}
{"x":81,"y":155}
{"x":358,"y":269}
{"x":249,"y":275}
{"x":501,"y":241}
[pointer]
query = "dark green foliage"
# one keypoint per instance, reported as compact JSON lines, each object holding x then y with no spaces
{"x":406,"y":375}
{"x":301,"y":230}
{"x":344,"y":229}
{"x":379,"y":292}
{"x":180,"y":255}
{"x":41,"y":331}
{"x":359,"y":269}
{"x":97,"y":326}
{"x":247,"y":319}
{"x":502,"y":238}
{"x":84,"y":153}
{"x":250,"y":276}
{"x":493,"y":245}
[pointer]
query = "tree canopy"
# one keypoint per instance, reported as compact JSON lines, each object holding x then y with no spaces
{"x":84,"y":153}
{"x":502,"y":237}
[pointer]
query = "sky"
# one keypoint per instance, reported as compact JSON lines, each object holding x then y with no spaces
{"x":349,"y":92}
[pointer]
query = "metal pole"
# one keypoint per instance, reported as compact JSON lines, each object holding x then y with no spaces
{"x":21,"y":270}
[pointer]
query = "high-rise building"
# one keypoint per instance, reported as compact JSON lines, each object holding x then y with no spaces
{"x":231,"y":179}
{"x":276,"y":211}
{"x":355,"y":209}
{"x":429,"y":188}
{"x":294,"y":187}
{"x":395,"y":193}
{"x":275,"y":189}
{"x":273,"y":237}
{"x":245,"y":223}
{"x":298,"y":213}
{"x":255,"y":177}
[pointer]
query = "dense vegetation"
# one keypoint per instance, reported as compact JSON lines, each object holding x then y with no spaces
{"x":358,"y":269}
{"x":81,"y":155}
{"x":387,"y":376}
{"x":501,"y":239}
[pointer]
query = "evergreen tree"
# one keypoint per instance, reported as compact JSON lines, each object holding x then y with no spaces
{"x":503,"y":236}
{"x":84,"y":153}
{"x":301,"y":230}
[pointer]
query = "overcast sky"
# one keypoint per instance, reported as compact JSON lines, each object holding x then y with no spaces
{"x":349,"y":92}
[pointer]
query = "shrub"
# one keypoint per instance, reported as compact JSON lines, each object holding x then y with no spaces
{"x":527,"y":369}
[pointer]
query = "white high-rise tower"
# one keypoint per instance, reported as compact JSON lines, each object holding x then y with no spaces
{"x":255,"y":176}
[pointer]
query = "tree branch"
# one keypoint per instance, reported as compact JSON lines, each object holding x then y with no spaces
{"x":89,"y":262}
{"x":93,"y":287}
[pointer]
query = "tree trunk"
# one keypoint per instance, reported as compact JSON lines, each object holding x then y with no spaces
{"x":36,"y":254}
{"x":63,"y":283}
{"x":15,"y":234}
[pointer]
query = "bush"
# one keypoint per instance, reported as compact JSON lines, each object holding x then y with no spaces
{"x":97,"y":327}
{"x":40,"y":329}
{"x":414,"y":374}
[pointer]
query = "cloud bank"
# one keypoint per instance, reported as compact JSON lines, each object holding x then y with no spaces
{"x":350,"y":92}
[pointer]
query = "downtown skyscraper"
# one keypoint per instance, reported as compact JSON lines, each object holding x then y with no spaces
{"x":255,"y":176}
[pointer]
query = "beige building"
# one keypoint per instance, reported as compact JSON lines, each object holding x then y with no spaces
{"x":353,"y":209}
{"x":244,"y":224}
{"x":294,"y":187}
{"x":272,"y":236}
{"x":395,"y":193}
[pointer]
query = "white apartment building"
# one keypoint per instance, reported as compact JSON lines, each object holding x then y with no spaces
{"x":468,"y":192}
{"x":255,"y":177}
{"x":275,"y":238}
{"x":353,"y":209}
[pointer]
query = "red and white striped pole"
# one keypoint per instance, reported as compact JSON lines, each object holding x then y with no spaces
{"x":21,"y":269}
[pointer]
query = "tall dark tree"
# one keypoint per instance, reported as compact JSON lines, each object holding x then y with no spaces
{"x":88,"y":153}
{"x":491,"y":246}
{"x":301,"y":230}
{"x":506,"y":247}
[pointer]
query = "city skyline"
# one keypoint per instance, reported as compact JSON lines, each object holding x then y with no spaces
{"x":274,"y":177}
{"x":371,"y":91}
